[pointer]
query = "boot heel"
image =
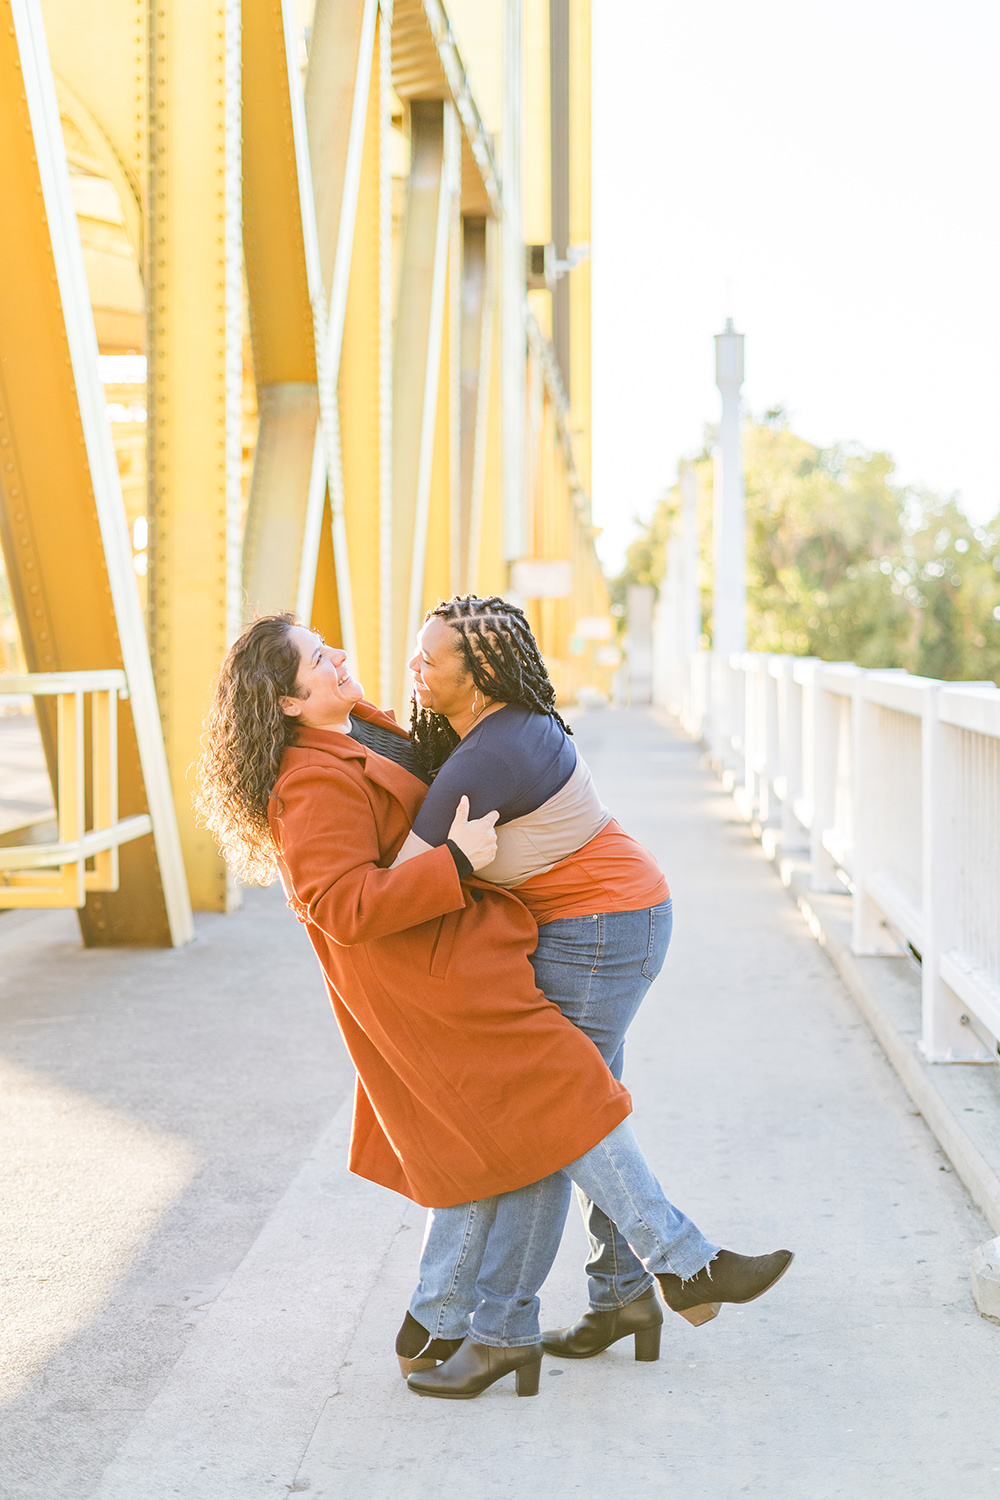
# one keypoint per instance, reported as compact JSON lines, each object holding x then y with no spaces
{"x":647,"y":1343}
{"x":526,"y":1378}
{"x":703,"y":1313}
{"x":419,"y":1362}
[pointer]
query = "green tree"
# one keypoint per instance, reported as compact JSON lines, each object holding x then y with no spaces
{"x":949,"y":572}
{"x":844,"y":564}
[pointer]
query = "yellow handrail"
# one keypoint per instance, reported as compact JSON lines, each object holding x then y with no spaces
{"x":56,"y":874}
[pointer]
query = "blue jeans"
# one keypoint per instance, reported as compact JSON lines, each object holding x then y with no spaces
{"x":508,"y":1243}
{"x":484,"y":1261}
{"x":597,"y":970}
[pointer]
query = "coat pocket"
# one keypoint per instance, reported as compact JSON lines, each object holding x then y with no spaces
{"x":444,"y":944}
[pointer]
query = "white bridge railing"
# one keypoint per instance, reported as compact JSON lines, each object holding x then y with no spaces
{"x":891,"y":785}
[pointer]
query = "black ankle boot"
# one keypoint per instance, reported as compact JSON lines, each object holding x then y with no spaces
{"x":415,"y":1350}
{"x":728,"y":1278}
{"x":599,"y":1328}
{"x":475,"y":1366}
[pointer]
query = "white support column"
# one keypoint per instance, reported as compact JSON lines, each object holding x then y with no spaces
{"x":729,"y":635}
{"x":729,"y":629}
{"x":689,"y":602}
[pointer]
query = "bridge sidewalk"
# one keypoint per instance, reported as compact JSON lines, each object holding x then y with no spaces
{"x":762,"y":1100}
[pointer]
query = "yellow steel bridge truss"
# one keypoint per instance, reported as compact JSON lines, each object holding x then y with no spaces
{"x":343,"y":303}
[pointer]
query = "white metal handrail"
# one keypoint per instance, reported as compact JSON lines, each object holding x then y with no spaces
{"x":57,"y":874}
{"x":892,"y":783}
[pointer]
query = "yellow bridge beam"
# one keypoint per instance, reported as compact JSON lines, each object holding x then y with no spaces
{"x":194,"y":351}
{"x":285,"y":295}
{"x":420,"y":429}
{"x":62,"y":522}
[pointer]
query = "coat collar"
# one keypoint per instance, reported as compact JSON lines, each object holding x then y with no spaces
{"x":342,"y":745}
{"x":384,"y":717}
{"x":378,"y":768}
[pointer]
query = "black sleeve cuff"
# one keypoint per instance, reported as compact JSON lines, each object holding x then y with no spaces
{"x":462,"y":863}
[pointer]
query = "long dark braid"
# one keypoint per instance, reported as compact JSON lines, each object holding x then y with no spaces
{"x":504,"y":661}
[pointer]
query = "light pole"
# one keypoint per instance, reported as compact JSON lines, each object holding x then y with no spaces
{"x":729,"y":586}
{"x":729,"y":591}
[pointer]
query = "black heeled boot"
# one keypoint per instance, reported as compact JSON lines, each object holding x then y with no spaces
{"x":728,"y":1278}
{"x":413,"y":1350}
{"x":599,"y":1328}
{"x":475,"y":1366}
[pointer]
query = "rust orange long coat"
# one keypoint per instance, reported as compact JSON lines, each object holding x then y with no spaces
{"x":470,"y":1082}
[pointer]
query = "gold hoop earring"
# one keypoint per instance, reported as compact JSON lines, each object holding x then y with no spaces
{"x":475,"y":712}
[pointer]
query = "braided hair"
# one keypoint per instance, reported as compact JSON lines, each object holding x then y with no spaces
{"x":505,"y":664}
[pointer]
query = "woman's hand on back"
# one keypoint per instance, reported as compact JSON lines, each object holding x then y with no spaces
{"x":477,"y":837}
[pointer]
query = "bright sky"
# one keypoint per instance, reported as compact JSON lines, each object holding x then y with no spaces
{"x":826,"y":172}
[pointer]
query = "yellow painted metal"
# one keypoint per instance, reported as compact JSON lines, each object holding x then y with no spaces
{"x":420,"y":315}
{"x":537,"y":170}
{"x":478,"y":29}
{"x":61,"y":520}
{"x":342,"y":45}
{"x":380,"y":457}
{"x":284,"y":296}
{"x":427,"y":64}
{"x":195,"y":363}
{"x":362,"y":393}
{"x":276,"y":223}
{"x":104,"y":787}
{"x":438,"y":581}
{"x":488,"y":570}
{"x":99,"y":51}
{"x":69,"y":799}
{"x":579,"y":210}
{"x":337,"y":62}
{"x":324,"y":611}
{"x":274,"y":538}
{"x":476,"y":350}
{"x":57,"y":874}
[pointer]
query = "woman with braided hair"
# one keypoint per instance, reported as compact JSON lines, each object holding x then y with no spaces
{"x":471,"y":1084}
{"x":485,"y":726}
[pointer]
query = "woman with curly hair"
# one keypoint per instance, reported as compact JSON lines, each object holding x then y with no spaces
{"x":471,"y":1084}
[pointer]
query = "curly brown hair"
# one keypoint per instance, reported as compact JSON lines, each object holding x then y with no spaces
{"x":245,"y":736}
{"x":495,"y":641}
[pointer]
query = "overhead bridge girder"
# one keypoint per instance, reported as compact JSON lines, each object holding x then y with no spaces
{"x":415,"y":424}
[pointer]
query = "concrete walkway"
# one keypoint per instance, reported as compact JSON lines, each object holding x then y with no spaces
{"x":201,"y":1302}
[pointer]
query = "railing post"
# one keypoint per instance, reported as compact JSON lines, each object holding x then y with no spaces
{"x":771,"y":768}
{"x":699,"y":717}
{"x":736,"y":686}
{"x":747,"y":669}
{"x":945,"y":1036}
{"x":871,"y":934}
{"x":789,"y":741}
{"x":104,"y":781}
{"x":822,"y":870}
{"x":70,"y":784}
{"x":792,"y":724}
{"x":717,"y":704}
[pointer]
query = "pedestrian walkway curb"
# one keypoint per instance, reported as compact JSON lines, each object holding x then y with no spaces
{"x":887,"y":993}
